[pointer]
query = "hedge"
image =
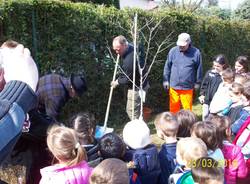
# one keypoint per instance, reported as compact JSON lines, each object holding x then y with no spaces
{"x":68,"y":37}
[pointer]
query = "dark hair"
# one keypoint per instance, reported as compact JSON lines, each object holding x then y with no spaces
{"x":84,"y":124}
{"x":222,"y":123}
{"x":205,"y":170}
{"x":243,"y":60}
{"x":186,"y":119}
{"x":222,"y":60}
{"x":208,"y":132}
{"x":112,"y":146}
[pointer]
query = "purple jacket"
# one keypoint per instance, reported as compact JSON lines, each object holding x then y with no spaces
{"x":235,"y":165}
{"x":71,"y":175}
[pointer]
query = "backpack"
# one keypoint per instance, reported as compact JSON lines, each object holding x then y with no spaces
{"x":146,"y":162}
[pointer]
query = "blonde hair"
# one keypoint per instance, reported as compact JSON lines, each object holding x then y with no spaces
{"x":110,"y":171}
{"x":190,"y":149}
{"x":64,"y":144}
{"x":206,"y":170}
{"x":167,"y":123}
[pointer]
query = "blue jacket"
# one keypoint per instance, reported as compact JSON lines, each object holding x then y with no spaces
{"x":167,"y":157}
{"x":183,"y":69}
{"x":244,"y":114}
{"x":146,"y":162}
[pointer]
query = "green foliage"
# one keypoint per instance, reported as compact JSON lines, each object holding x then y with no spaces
{"x":214,"y":11}
{"x":243,"y":11}
{"x":114,"y":3}
{"x":71,"y":37}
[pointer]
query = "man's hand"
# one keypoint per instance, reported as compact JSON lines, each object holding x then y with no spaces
{"x":166,"y":85}
{"x":197,"y":87}
{"x":114,"y":84}
{"x":202,"y":99}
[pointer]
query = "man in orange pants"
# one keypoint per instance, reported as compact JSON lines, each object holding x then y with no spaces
{"x":182,"y":73}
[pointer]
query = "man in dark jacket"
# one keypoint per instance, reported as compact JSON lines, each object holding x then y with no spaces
{"x":54,"y":91}
{"x":126,"y":51}
{"x":182,"y":73}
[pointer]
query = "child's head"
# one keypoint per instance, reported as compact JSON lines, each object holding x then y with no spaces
{"x":220,"y":63}
{"x":110,"y":171}
{"x":208,"y":132}
{"x":167,"y":124}
{"x":189,"y":149}
{"x":136,"y":134}
{"x":241,"y":64}
{"x":84,"y":124}
{"x":112,"y":146}
{"x":223,"y":125}
{"x":236,"y":92}
{"x":227,"y":76}
{"x":206,"y":170}
{"x":64,"y":144}
{"x":239,"y":78}
{"x":186,"y":119}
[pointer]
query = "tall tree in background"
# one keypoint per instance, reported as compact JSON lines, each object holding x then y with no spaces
{"x":243,"y":11}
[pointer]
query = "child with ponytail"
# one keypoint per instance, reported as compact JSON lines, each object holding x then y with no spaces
{"x":71,"y":166}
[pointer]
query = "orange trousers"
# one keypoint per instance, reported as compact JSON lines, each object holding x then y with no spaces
{"x":180,"y":97}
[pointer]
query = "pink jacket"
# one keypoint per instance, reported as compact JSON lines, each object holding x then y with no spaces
{"x":66,"y":175}
{"x":235,"y":165}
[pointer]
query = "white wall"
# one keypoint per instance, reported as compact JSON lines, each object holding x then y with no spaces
{"x":134,"y":3}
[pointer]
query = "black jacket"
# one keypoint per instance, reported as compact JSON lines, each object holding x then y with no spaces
{"x":127,"y":67}
{"x":209,"y":85}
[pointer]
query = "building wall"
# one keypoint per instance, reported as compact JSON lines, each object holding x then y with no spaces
{"x":143,"y":4}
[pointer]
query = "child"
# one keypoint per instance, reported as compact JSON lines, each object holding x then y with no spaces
{"x":188,"y":150}
{"x":239,"y":78}
{"x":186,"y":119}
{"x":235,"y":166}
{"x":209,"y":133}
{"x":234,"y":112}
{"x":211,"y":83}
{"x":168,"y":125}
{"x":71,"y":168}
{"x":136,"y":136}
{"x":244,"y":112}
{"x":206,"y":170}
{"x":110,"y":171}
{"x":112,"y":146}
{"x":236,"y":98}
{"x":241,"y":65}
{"x":221,"y":97}
{"x":84,"y":124}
